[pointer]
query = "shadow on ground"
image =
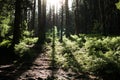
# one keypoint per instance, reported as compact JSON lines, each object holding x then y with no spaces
{"x":36,"y":68}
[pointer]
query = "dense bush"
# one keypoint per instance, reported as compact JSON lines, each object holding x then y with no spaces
{"x":99,"y":55}
{"x":4,"y":26}
{"x":25,"y":45}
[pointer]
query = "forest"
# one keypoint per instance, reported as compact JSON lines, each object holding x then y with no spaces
{"x":59,"y":39}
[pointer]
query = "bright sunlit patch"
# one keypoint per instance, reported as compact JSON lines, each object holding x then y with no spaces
{"x":53,"y":2}
{"x":57,"y":3}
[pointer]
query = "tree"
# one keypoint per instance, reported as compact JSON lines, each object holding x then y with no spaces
{"x":17,"y":23}
{"x":67,"y":18}
{"x":62,"y":12}
{"x":76,"y":17}
{"x":41,"y":20}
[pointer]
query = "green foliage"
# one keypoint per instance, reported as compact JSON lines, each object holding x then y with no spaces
{"x":78,"y":39}
{"x":4,"y":29}
{"x":118,"y":5}
{"x":21,"y":48}
{"x":24,"y":51}
{"x":89,"y":53}
{"x":30,"y":41}
{"x":5,"y":43}
{"x":25,"y":45}
{"x":27,"y":33}
{"x":4,"y":25}
{"x":5,"y":20}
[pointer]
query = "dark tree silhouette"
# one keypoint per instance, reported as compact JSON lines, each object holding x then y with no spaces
{"x":17,"y":23}
{"x":42,"y":20}
{"x":67,"y":18}
{"x":62,"y":12}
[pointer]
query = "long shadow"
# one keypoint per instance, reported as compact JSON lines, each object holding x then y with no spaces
{"x":12,"y":71}
{"x":6,"y":56}
{"x":6,"y":63}
{"x":108,"y":71}
{"x":53,"y":54}
{"x":76,"y":66}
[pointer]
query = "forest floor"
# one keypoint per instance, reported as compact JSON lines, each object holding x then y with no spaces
{"x":40,"y":69}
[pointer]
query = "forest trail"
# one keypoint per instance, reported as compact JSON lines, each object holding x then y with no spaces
{"x":40,"y":69}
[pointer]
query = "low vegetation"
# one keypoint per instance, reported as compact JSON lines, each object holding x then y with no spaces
{"x":95,"y":54}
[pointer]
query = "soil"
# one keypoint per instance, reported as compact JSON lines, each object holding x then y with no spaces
{"x":40,"y":69}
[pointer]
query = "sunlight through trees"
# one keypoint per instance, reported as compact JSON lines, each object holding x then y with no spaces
{"x":79,"y":37}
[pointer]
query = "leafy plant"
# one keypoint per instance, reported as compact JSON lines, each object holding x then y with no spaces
{"x":27,"y":42}
{"x":95,"y":54}
{"x":5,"y":43}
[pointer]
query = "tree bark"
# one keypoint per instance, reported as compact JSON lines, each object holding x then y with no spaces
{"x":17,"y":23}
{"x":42,"y":20}
{"x":67,"y":18}
{"x":33,"y":14}
{"x":76,"y":18}
{"x":61,"y":26}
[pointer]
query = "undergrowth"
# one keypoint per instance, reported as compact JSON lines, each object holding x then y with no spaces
{"x":24,"y":48}
{"x":98,"y":55}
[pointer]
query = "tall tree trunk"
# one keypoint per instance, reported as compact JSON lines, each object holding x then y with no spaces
{"x":17,"y":23}
{"x":39,"y":16}
{"x":61,"y":26}
{"x":50,"y":18}
{"x":33,"y":14}
{"x":35,"y":17}
{"x":67,"y":19}
{"x":53,"y":10}
{"x":101,"y":17}
{"x":42,"y":20}
{"x":76,"y":18}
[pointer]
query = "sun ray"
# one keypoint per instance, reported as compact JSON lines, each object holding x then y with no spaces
{"x":57,"y":3}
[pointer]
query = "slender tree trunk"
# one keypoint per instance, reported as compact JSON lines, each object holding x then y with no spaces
{"x":53,"y":41}
{"x":76,"y":18}
{"x":50,"y":17}
{"x":53,"y":10}
{"x":101,"y":16}
{"x":61,"y":33}
{"x":33,"y":12}
{"x":67,"y":19}
{"x":39,"y":16}
{"x":35,"y":18}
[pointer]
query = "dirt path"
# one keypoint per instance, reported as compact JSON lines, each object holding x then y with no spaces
{"x":39,"y":69}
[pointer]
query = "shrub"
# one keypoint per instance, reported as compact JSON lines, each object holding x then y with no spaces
{"x":89,"y":53}
{"x":5,"y":43}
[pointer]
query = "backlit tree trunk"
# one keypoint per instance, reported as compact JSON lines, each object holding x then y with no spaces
{"x":42,"y":20}
{"x":67,"y":18}
{"x":17,"y":23}
{"x":76,"y":18}
{"x":61,"y":33}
